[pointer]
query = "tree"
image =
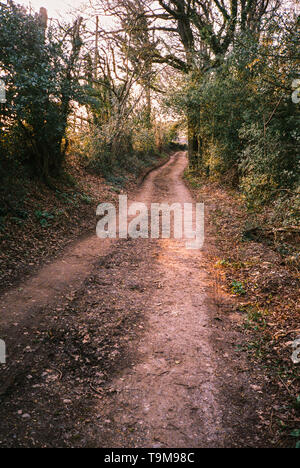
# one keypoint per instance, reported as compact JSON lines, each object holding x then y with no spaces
{"x":193,"y":36}
{"x":245,"y":115}
{"x":120,"y":79}
{"x":207,"y":29}
{"x":39,"y":65}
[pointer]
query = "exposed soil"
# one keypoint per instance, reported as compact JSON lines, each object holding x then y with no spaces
{"x":41,"y":222}
{"x":129,"y":344}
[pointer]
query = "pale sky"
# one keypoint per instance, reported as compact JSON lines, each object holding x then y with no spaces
{"x":62,"y":7}
{"x":55,"y":7}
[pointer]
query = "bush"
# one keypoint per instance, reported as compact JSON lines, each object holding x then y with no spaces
{"x":39,"y":75}
{"x":244,"y":118}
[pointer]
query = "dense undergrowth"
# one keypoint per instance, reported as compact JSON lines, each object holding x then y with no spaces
{"x":246,"y":118}
{"x":58,"y":103}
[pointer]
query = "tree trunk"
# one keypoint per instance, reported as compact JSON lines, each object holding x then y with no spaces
{"x":193,"y":144}
{"x":148,"y":107}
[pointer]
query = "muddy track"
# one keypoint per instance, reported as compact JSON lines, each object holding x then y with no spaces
{"x":123,"y":344}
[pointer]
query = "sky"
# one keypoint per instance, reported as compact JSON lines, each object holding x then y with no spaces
{"x":55,"y":8}
{"x":62,"y":7}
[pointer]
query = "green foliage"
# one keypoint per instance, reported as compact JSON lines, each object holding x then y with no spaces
{"x":192,"y":179}
{"x":86,"y":199}
{"x":255,"y":319}
{"x":115,"y":180}
{"x":44,"y":217}
{"x":38,"y":69}
{"x":43,"y":69}
{"x":69,"y":198}
{"x":238,"y":288}
{"x":131,"y":150}
{"x":296,"y":434}
{"x":246,"y":123}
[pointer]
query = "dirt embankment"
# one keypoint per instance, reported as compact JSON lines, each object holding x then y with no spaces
{"x":264,"y":301}
{"x":38,"y":223}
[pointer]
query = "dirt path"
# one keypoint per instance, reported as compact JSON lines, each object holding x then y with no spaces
{"x":171,"y":393}
{"x":187,"y":387}
{"x":138,"y":353}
